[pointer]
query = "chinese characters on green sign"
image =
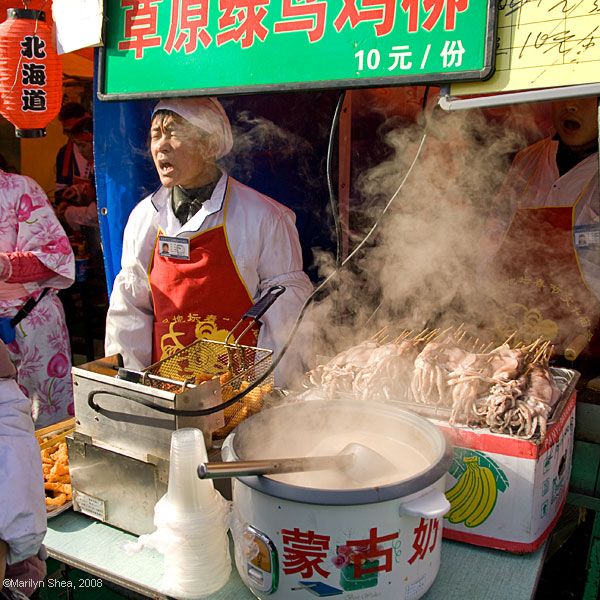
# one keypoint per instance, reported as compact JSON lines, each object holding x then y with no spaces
{"x":166,"y":47}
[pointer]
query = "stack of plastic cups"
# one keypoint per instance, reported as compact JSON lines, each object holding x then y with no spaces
{"x":192,"y":520}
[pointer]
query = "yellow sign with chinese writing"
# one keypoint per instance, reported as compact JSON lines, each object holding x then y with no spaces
{"x":543,"y":43}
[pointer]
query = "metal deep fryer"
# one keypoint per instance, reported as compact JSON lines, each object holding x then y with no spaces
{"x":119,"y":451}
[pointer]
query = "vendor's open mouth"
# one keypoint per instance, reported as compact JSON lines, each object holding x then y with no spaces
{"x":164,"y":166}
{"x":571,"y":124}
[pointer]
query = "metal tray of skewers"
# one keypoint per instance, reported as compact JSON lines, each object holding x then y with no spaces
{"x":451,"y":376}
{"x":564,"y":379}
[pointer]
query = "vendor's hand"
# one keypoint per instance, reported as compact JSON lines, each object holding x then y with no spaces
{"x":5,"y":267}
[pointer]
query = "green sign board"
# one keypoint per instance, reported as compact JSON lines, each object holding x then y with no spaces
{"x":159,"y":48}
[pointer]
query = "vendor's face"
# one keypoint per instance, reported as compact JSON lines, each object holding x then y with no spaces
{"x":576,"y":120}
{"x":180,"y":157}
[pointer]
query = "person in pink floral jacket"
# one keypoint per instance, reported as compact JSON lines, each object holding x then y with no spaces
{"x":35,"y":254}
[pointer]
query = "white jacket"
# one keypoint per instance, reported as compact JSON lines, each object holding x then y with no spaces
{"x":22,"y":504}
{"x":264,"y":243}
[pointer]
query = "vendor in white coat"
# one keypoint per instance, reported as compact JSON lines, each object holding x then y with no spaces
{"x":551,"y":250}
{"x":202,"y":249}
{"x":22,"y":499}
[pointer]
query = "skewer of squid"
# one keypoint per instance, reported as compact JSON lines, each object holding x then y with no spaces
{"x":443,"y":336}
{"x":533,"y":348}
{"x":487,"y":348}
{"x":404,"y":335}
{"x":459,"y":330}
{"x":423,"y":336}
{"x":538,"y":358}
{"x":381,"y":335}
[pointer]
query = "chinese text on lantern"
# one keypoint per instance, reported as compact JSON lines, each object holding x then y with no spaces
{"x":33,"y":74}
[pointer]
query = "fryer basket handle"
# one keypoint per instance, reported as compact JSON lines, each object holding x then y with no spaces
{"x":255,"y":312}
{"x":264,"y":303}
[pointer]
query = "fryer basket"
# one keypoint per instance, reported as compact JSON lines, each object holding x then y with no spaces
{"x":237,"y":366}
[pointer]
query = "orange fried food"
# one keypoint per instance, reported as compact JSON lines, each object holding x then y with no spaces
{"x":53,"y":502}
{"x":52,"y":478}
{"x":202,"y":377}
{"x":225,"y":377}
{"x":57,"y":482}
{"x":59,"y":468}
{"x":234,"y":415}
{"x":254,"y":399}
{"x":56,"y":487}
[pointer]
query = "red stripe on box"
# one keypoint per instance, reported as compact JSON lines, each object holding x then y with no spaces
{"x":498,"y":544}
{"x":506,"y":445}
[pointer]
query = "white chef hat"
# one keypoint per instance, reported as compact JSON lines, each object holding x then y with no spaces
{"x":207,"y":114}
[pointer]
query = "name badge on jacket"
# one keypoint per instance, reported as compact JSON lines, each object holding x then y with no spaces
{"x":173,"y":247}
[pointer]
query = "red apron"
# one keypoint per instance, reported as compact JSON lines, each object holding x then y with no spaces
{"x":547,"y":295}
{"x":200,"y":298}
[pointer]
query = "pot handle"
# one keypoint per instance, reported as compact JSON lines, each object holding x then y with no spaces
{"x":431,"y":505}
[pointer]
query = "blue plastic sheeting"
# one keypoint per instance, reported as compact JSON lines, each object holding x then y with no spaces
{"x":280,"y":149}
{"x":123,"y":169}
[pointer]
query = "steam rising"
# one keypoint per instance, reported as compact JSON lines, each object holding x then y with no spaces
{"x":257,"y":136}
{"x":431,"y":264}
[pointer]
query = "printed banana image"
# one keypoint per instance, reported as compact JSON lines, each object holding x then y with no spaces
{"x":474,"y":495}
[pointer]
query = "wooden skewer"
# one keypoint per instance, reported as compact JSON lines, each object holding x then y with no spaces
{"x":403,"y":335}
{"x":434,"y":335}
{"x":418,"y":336}
{"x":537,"y":357}
{"x":530,"y":347}
{"x":459,"y":339}
{"x":382,"y":331}
{"x":447,"y":330}
{"x":488,"y":348}
{"x":509,"y":338}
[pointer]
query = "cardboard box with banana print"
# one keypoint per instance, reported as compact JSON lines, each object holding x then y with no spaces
{"x":504,"y":492}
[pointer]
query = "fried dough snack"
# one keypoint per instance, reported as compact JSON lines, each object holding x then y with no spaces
{"x":57,"y":482}
{"x":251,"y":403}
{"x":223,"y":378}
{"x":202,"y":377}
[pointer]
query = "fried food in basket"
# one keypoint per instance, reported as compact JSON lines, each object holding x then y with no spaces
{"x":202,"y":377}
{"x":223,"y":378}
{"x":251,"y":403}
{"x":57,"y":481}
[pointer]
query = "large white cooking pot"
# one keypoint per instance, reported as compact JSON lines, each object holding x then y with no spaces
{"x":318,"y":534}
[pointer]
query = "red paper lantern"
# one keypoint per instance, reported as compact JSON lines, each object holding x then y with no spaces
{"x":30,"y":72}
